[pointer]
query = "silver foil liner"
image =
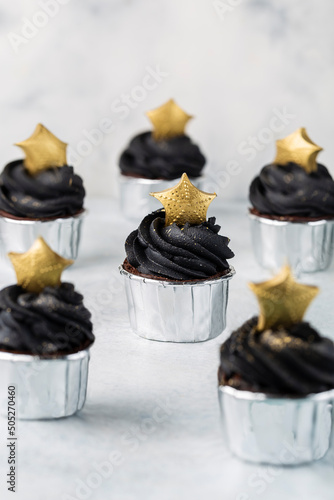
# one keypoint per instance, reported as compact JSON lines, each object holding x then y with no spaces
{"x":171,"y":311}
{"x":62,"y":235}
{"x":135,"y":199}
{"x":45,"y":388}
{"x":306,"y":246}
{"x":281,"y":431}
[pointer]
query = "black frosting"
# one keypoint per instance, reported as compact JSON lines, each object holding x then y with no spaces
{"x":56,"y":192}
{"x":52,"y":322}
{"x":181,"y":253}
{"x":285,"y":361}
{"x":166,"y":159}
{"x":290,"y":190}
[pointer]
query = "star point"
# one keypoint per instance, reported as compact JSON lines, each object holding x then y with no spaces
{"x":169,"y":120}
{"x":43,"y":150}
{"x":184,"y":203}
{"x":298,"y":148}
{"x":282,"y":301}
{"x":39,"y":267}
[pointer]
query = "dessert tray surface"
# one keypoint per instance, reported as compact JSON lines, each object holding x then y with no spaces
{"x":150,"y":429}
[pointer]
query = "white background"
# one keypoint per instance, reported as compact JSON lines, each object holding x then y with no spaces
{"x":229,"y":64}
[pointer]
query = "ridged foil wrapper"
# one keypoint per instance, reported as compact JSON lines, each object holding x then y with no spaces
{"x":306,"y":246}
{"x":172,"y":311}
{"x":277,"y":430}
{"x":135,"y":199}
{"x":45,"y":388}
{"x":62,"y":235}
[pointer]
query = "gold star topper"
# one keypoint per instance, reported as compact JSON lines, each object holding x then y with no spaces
{"x":38,"y":267}
{"x":184,"y":203}
{"x":298,"y":148}
{"x":43,"y":150}
{"x":169,"y":120}
{"x":282,"y":300}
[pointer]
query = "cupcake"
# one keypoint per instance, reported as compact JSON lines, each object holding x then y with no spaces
{"x":41,"y":195}
{"x":276,"y":379}
{"x":176,"y":269}
{"x":154,"y":160}
{"x":292,"y":210}
{"x":45,"y":336}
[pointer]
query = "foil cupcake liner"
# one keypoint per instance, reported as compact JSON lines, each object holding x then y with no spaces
{"x":172,"y":311}
{"x":62,"y":235}
{"x":276,"y":430}
{"x":306,"y":246}
{"x":135,"y":199}
{"x":44,"y":388}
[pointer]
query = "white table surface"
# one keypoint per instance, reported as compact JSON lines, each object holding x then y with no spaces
{"x":152,"y":407}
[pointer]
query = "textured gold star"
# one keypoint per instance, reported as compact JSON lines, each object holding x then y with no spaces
{"x":169,"y":120}
{"x":38,"y":267}
{"x":298,"y":148}
{"x":43,"y":150}
{"x":282,"y":300}
{"x":184,"y":203}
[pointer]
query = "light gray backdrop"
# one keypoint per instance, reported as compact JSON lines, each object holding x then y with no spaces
{"x":250,"y":71}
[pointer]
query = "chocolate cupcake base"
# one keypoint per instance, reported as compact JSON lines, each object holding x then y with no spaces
{"x":277,"y":430}
{"x":62,"y":234}
{"x":177,"y":311}
{"x":306,"y":246}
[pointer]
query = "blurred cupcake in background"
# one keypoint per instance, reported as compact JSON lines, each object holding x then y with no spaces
{"x":154,"y":159}
{"x":41,"y":195}
{"x":176,"y":269}
{"x":276,"y":379}
{"x":45,"y":337}
{"x":292,"y":214}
